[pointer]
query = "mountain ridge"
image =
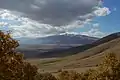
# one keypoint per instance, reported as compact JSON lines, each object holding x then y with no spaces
{"x":82,"y":48}
{"x":57,"y":51}
{"x":60,"y":39}
{"x":86,"y":59}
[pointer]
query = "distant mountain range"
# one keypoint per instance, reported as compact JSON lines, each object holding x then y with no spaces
{"x":79,"y":58}
{"x":53,"y":50}
{"x":32,"y":47}
{"x":79,"y":49}
{"x":60,"y":39}
{"x":90,"y":56}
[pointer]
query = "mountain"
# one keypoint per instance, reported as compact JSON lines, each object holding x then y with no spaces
{"x":50,"y":44}
{"x":86,"y":59}
{"x":92,"y":56}
{"x":78,"y":49}
{"x":60,"y":39}
{"x":48,"y":51}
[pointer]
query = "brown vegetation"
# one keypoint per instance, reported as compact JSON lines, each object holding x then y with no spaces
{"x":109,"y":69}
{"x":13,"y":66}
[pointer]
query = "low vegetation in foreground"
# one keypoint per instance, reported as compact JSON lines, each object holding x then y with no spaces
{"x":109,"y":69}
{"x":13,"y":66}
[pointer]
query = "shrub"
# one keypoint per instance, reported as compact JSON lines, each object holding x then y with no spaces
{"x":45,"y":76}
{"x":60,"y":70}
{"x":90,"y":74}
{"x":12,"y":65}
{"x":109,"y":69}
{"x":69,"y":75}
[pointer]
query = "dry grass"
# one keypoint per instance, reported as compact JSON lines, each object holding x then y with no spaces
{"x":109,"y":69}
{"x":79,"y":62}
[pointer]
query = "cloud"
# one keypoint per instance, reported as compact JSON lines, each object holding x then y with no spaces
{"x":94,"y":31}
{"x":96,"y":25}
{"x":25,"y":27}
{"x":102,"y":11}
{"x":2,"y":24}
{"x":53,"y":12}
{"x":39,"y":18}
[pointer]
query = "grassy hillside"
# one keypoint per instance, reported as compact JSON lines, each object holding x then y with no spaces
{"x":76,"y":50}
{"x":83,"y":60}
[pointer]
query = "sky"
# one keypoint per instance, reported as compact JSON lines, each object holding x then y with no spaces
{"x":40,"y":18}
{"x":110,"y":23}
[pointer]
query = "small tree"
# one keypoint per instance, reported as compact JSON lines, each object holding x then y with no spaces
{"x":110,"y":67}
{"x":12,"y":65}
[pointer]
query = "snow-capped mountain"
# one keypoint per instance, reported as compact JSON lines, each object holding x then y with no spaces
{"x":60,"y":39}
{"x":28,"y":46}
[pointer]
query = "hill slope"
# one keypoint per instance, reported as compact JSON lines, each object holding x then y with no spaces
{"x":49,"y":46}
{"x":75,"y":50}
{"x":88,"y":58}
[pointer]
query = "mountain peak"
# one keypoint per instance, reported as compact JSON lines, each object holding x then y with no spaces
{"x":62,"y":39}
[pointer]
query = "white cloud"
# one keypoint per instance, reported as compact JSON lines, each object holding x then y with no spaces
{"x":23,"y":26}
{"x":74,"y":33}
{"x":5,"y":14}
{"x":94,"y":31}
{"x":96,"y":25}
{"x":2,"y":24}
{"x":52,"y":12}
{"x":102,"y":11}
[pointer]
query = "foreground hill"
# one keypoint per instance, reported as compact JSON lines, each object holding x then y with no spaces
{"x":86,"y":59}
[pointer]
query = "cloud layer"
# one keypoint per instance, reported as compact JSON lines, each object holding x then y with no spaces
{"x":30,"y":18}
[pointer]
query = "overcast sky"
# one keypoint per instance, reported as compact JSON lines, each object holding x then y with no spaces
{"x":39,"y":18}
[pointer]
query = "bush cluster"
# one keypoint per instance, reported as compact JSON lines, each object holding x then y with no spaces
{"x":13,"y":66}
{"x":109,"y":69}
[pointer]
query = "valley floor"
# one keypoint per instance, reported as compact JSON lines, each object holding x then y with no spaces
{"x":52,"y":65}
